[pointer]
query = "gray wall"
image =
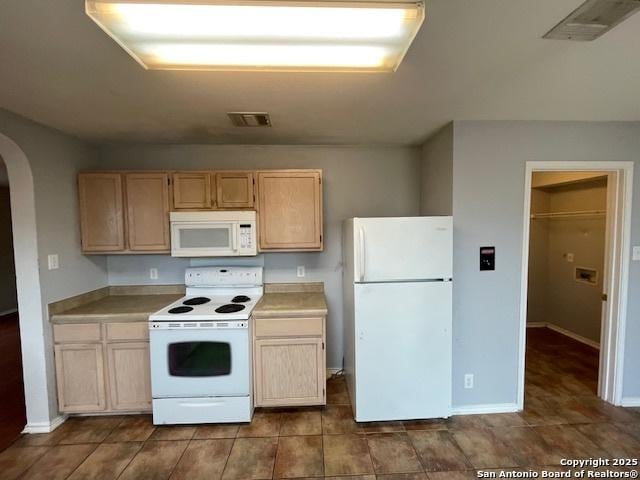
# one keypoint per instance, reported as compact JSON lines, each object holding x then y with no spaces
{"x":566,"y":303}
{"x":358,"y":181}
{"x":573,"y":305}
{"x":437,"y":174}
{"x":537,"y":300}
{"x":8,"y":297}
{"x":49,"y":180}
{"x":488,"y":196}
{"x":55,"y":159}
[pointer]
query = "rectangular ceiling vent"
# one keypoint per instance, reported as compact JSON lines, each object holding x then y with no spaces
{"x":593,"y":19}
{"x":250,"y":119}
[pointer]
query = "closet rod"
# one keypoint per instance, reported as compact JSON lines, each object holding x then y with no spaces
{"x":577,"y":214}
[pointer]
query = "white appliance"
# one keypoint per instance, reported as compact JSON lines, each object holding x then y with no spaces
{"x":398,"y":312}
{"x":200,"y":348}
{"x":213,"y":234}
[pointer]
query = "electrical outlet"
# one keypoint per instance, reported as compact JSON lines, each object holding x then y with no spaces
{"x":468,"y":380}
{"x":53,"y":262}
{"x":301,"y":272}
{"x":153,"y":273}
{"x":636,"y":254}
{"x":569,"y":257}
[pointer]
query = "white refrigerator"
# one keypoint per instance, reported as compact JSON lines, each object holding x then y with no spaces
{"x":397,"y":316}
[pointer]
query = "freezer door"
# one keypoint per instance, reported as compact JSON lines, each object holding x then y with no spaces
{"x":402,"y":351}
{"x":402,"y":249}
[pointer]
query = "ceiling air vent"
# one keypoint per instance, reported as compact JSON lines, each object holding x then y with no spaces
{"x":250,"y":119}
{"x":593,"y":19}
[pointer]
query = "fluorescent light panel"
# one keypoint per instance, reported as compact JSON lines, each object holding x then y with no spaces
{"x":261,"y":35}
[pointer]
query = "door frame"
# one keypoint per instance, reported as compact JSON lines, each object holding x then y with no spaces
{"x":616,"y":275}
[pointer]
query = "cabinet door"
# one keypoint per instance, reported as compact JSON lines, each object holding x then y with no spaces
{"x":80,"y":378}
{"x":191,"y":190}
{"x":148,"y":211}
{"x":101,"y":212}
{"x":129,"y":376}
{"x":289,"y":372}
{"x":234,"y":189}
{"x":290,"y":210}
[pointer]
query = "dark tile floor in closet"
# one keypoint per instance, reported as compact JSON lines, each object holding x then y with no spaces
{"x":563,"y":418}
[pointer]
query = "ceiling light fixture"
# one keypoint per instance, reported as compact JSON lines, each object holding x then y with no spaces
{"x":261,"y":35}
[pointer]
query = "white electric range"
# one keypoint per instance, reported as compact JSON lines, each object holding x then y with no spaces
{"x":200,"y":348}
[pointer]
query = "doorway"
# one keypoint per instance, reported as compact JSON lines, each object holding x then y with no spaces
{"x":575,"y":258}
{"x":567,"y":234}
{"x":12,"y":415}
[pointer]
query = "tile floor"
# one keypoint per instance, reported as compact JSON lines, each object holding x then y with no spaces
{"x":563,"y":419}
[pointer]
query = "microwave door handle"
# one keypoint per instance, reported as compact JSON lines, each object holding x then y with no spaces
{"x":234,"y":238}
{"x":361,"y":255}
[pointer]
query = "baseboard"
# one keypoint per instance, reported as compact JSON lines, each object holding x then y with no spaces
{"x":536,"y":324}
{"x":565,"y":332}
{"x":485,"y":408}
{"x":332,"y":371}
{"x":45,"y":427}
{"x":630,"y":402}
{"x":8,"y":312}
{"x":575,"y":336}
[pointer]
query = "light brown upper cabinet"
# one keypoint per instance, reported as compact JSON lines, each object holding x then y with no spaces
{"x":290,"y":209}
{"x":234,"y":189}
{"x":192,"y":190}
{"x":126,"y":212}
{"x":148,"y":211}
{"x":101,"y":212}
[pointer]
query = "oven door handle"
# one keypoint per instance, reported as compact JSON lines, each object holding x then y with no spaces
{"x":201,"y":405}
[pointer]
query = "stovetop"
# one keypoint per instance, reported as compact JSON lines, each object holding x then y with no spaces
{"x":208,"y":307}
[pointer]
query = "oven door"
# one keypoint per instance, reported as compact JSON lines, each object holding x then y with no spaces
{"x":204,"y":239}
{"x":203,"y":362}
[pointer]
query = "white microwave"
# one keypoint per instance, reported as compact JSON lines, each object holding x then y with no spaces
{"x":213,"y":234}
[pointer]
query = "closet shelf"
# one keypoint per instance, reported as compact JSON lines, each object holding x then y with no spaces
{"x":577,"y":214}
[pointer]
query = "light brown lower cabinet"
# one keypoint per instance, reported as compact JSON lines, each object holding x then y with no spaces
{"x":289,"y":362}
{"x":129,"y":376}
{"x":102,"y":368}
{"x":80,"y":378}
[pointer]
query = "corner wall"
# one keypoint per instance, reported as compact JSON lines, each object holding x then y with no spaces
{"x":437,"y":173}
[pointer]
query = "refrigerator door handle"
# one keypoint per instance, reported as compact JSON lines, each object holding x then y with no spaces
{"x":361,"y":255}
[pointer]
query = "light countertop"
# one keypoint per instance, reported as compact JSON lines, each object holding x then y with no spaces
{"x":291,"y":300}
{"x":117,"y":305}
{"x":116,"y":308}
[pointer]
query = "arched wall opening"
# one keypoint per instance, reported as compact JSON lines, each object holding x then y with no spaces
{"x":30,"y":305}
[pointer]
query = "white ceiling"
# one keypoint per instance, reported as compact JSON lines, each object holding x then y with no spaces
{"x":472,"y":60}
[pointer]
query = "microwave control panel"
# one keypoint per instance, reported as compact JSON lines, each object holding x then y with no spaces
{"x":246,"y":236}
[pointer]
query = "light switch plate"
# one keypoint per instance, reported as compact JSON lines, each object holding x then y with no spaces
{"x":301,"y":273}
{"x":53,"y":262}
{"x":636,"y":254}
{"x":153,"y":273}
{"x":569,"y":257}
